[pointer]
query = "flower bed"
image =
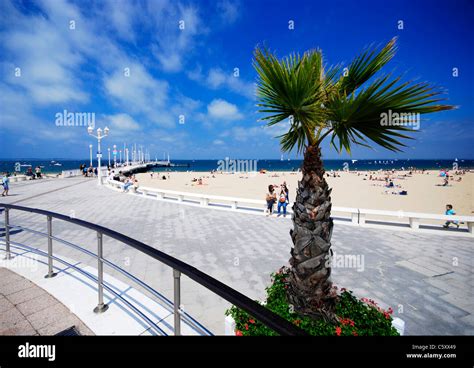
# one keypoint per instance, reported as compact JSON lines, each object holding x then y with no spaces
{"x":356,"y":317}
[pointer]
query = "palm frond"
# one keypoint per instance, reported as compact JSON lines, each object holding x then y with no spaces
{"x":321,"y":104}
{"x":291,"y":88}
{"x":358,"y":117}
{"x":366,"y":65}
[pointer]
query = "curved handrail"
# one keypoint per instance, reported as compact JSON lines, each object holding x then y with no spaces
{"x":188,"y":318}
{"x":93,"y":278}
{"x":267,"y":317}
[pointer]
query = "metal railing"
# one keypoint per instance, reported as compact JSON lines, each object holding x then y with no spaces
{"x":265,"y":316}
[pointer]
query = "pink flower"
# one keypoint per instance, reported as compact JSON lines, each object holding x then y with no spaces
{"x":338,"y":331}
{"x":238,"y":333}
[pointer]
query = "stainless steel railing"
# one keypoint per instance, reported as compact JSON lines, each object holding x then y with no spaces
{"x":256,"y":310}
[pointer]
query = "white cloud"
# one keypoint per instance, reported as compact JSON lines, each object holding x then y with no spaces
{"x":228,"y":11}
{"x":218,"y":142}
{"x":45,"y":58}
{"x":122,"y":16}
{"x":121,"y":122}
{"x":140,"y":93}
{"x":216,"y":78}
{"x":176,"y":27}
{"x":221,"y":109}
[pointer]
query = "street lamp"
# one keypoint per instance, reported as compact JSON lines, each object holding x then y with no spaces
{"x":108,"y":149}
{"x":120,"y":152}
{"x":126,"y":153}
{"x":90,"y":154}
{"x":115,"y":155}
{"x":99,"y":136}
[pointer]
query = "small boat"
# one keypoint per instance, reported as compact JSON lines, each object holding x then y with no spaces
{"x":57,"y":164}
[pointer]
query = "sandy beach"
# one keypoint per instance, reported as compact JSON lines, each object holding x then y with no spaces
{"x":349,"y":189}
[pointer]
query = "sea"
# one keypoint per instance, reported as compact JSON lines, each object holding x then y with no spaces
{"x":58,"y":165}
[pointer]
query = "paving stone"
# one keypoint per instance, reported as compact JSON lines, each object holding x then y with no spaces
{"x":49,"y":315}
{"x":16,"y":286}
{"x":25,"y":295}
{"x":37,"y":304}
{"x":58,"y":325}
{"x":21,"y":328}
{"x":5,"y":304}
{"x":10,"y":318}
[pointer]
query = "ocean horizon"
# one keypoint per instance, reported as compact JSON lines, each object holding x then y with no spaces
{"x":56,"y":165}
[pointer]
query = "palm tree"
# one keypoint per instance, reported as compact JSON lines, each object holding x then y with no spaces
{"x":345,"y":106}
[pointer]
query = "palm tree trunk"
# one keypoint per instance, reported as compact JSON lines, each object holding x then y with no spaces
{"x":310,"y":288}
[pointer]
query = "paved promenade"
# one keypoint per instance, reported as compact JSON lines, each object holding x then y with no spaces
{"x":427,"y":279}
{"x":26,"y":309}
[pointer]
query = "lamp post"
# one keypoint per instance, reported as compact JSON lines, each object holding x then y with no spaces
{"x":126,"y":153}
{"x":99,"y":136}
{"x":108,"y":149}
{"x":120,"y":152}
{"x":115,"y":155}
{"x":90,"y":154}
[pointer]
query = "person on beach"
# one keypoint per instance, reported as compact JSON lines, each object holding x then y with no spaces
{"x":450,"y":212}
{"x":271,"y":199}
{"x":282,"y":200}
{"x":38,"y":172}
{"x":128,"y":183}
{"x":135,"y":183}
{"x":29,"y":174}
{"x":5,"y":183}
{"x":287,"y":191}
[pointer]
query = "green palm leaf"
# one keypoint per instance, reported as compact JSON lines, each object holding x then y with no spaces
{"x":346,"y":108}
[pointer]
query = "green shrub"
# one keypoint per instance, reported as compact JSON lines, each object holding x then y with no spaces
{"x":357,"y":317}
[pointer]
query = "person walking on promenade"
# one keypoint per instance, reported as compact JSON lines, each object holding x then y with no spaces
{"x":5,"y":183}
{"x":450,"y":212}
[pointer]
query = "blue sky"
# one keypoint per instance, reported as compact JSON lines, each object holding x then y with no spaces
{"x":133,"y":66}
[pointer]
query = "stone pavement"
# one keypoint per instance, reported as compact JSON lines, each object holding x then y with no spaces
{"x":427,"y":279}
{"x":26,"y":309}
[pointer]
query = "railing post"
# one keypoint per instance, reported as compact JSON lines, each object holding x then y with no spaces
{"x":177,"y":302}
{"x":50,"y":248}
{"x":7,"y":234}
{"x":101,"y":307}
